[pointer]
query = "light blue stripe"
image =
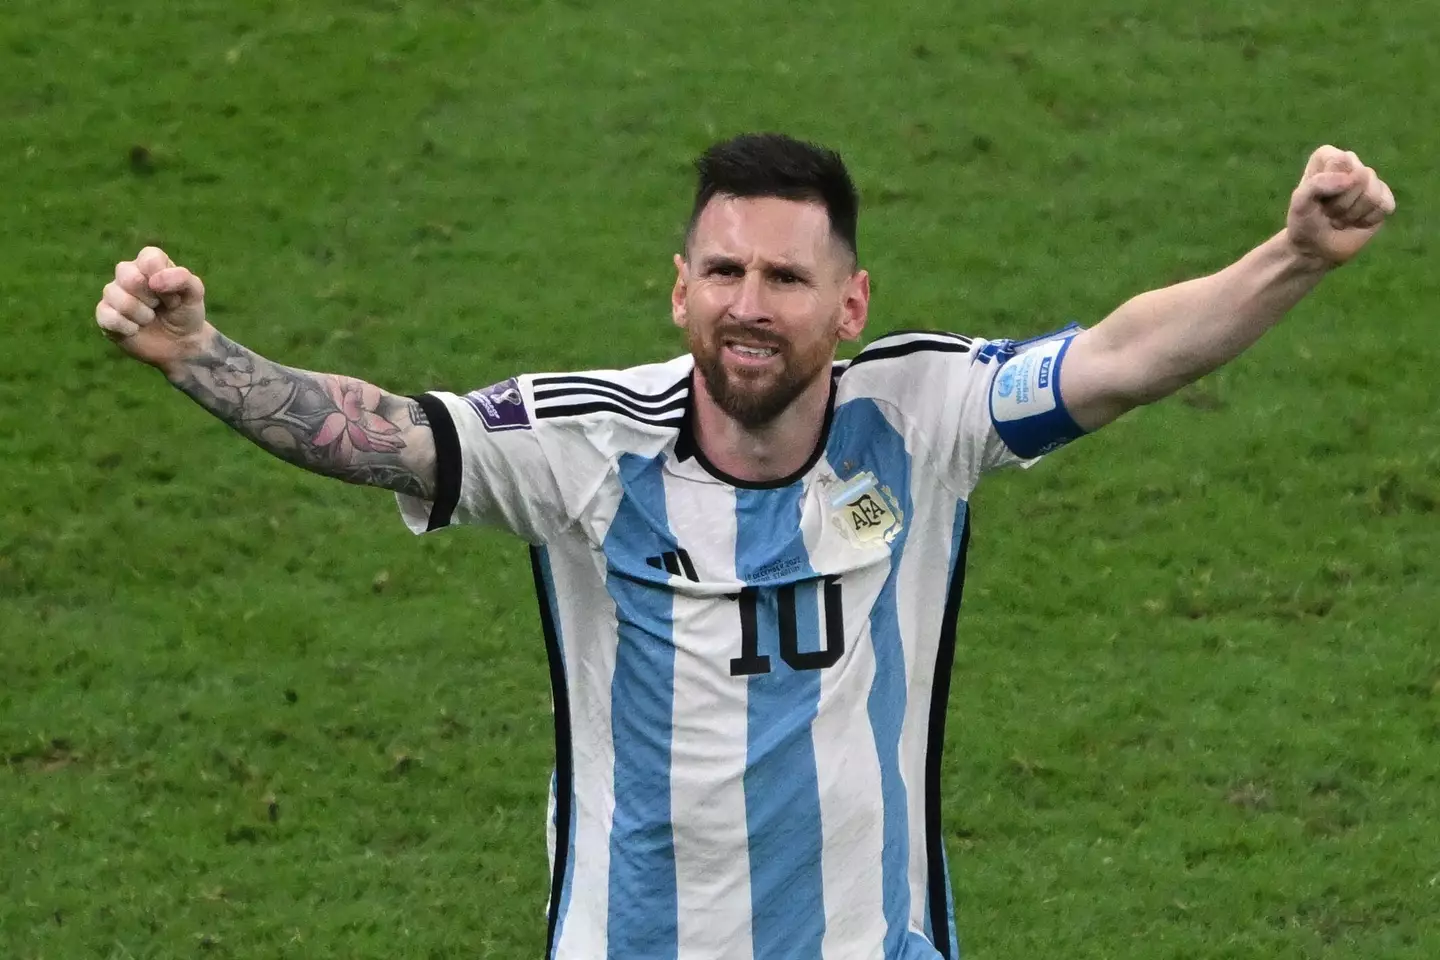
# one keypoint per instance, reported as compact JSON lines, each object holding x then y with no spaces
{"x":548,"y":578}
{"x":862,"y":436}
{"x":782,"y":790}
{"x":643,"y":914}
{"x":954,"y":953}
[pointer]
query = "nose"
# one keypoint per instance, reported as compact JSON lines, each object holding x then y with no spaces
{"x":750,"y":304}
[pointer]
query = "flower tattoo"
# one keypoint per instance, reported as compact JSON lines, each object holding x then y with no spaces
{"x":355,"y":425}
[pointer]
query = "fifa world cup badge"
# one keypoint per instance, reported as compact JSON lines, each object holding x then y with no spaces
{"x":866,"y":513}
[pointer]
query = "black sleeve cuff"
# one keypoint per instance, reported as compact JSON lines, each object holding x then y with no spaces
{"x":447,"y":460}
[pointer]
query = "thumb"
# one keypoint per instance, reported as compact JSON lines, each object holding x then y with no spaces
{"x":151,"y":260}
{"x":176,"y":287}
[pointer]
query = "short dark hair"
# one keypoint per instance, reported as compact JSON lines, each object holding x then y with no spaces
{"x":776,"y":165}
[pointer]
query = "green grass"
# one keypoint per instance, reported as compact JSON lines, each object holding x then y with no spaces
{"x":1196,"y":705}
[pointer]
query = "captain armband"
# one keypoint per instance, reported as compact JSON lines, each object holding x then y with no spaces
{"x":1025,"y":403}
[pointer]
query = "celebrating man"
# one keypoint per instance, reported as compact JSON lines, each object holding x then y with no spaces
{"x":749,"y":558}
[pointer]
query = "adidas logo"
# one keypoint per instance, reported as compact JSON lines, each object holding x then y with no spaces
{"x":676,"y":563}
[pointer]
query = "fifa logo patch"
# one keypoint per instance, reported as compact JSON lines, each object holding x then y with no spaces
{"x":501,"y":406}
{"x":865,"y":512}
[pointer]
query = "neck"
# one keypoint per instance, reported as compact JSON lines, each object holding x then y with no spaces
{"x":766,"y":453}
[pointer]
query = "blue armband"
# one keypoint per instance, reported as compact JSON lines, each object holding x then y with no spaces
{"x":1025,"y":403}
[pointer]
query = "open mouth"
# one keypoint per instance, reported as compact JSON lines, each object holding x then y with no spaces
{"x":747,"y":349}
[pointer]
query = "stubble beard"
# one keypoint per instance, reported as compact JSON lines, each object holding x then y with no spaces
{"x":752,"y":402}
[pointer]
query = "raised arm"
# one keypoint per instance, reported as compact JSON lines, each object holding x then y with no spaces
{"x":332,"y":425}
{"x":1159,"y":341}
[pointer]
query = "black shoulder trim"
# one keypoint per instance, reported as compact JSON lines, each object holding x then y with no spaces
{"x":655,"y":418}
{"x":447,"y":460}
{"x":546,"y":394}
{"x":956,"y":345}
{"x":574,"y":380}
{"x":935,"y":748}
{"x":945,"y":334}
{"x":564,"y":746}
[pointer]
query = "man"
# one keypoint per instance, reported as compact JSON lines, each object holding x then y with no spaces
{"x":749,"y":558}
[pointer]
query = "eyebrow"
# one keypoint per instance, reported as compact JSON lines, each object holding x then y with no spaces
{"x":716,"y":260}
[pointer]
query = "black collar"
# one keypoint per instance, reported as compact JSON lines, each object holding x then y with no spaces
{"x":686,"y":445}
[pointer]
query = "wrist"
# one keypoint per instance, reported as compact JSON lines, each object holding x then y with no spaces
{"x":1302,"y":258}
{"x":189,"y":348}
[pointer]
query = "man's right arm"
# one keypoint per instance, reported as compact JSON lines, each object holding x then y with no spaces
{"x":332,"y":425}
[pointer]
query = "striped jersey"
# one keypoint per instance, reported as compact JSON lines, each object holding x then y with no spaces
{"x":749,"y":679}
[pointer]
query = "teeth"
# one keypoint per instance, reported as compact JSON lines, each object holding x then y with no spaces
{"x":753,"y":351}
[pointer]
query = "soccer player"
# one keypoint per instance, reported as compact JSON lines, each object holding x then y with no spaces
{"x":749,"y":559}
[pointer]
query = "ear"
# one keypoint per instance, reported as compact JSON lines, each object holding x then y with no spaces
{"x":855,"y":307}
{"x":677,"y":294}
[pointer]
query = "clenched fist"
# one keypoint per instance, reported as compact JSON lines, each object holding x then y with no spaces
{"x":153,"y":309}
{"x":1338,"y":206}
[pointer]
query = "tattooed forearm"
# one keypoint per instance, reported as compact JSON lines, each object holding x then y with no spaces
{"x":337,"y":426}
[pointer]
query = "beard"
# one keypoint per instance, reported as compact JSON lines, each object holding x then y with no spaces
{"x":754,"y":400}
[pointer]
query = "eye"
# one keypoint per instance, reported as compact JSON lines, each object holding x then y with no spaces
{"x":787,"y":278}
{"x":726,"y":270}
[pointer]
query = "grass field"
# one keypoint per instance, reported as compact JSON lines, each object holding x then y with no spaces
{"x":243,"y":713}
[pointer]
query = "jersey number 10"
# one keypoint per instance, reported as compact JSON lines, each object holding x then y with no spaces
{"x":751,"y":662}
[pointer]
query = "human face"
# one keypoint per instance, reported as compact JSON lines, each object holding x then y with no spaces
{"x":764,"y":295}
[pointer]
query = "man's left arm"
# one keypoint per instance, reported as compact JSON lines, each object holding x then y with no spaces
{"x":1159,"y":341}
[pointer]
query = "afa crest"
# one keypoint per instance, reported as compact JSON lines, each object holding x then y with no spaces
{"x":866,"y":512}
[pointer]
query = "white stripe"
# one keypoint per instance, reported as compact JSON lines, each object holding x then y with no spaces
{"x":564,"y":393}
{"x":920,"y":598}
{"x":592,"y":395}
{"x":668,"y":420}
{"x":550,"y":838}
{"x":672,"y":407}
{"x":587,"y":624}
{"x":652,"y":379}
{"x":847,"y":765}
{"x":852,"y":811}
{"x":708,"y":738}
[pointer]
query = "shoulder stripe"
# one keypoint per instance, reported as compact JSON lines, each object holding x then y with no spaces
{"x":580,"y":380}
{"x":909,"y":335}
{"x":890,"y":351}
{"x":572,"y":395}
{"x":671,"y":415}
{"x":607,"y":391}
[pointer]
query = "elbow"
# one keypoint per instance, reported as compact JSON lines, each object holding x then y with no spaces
{"x":1102,"y":393}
